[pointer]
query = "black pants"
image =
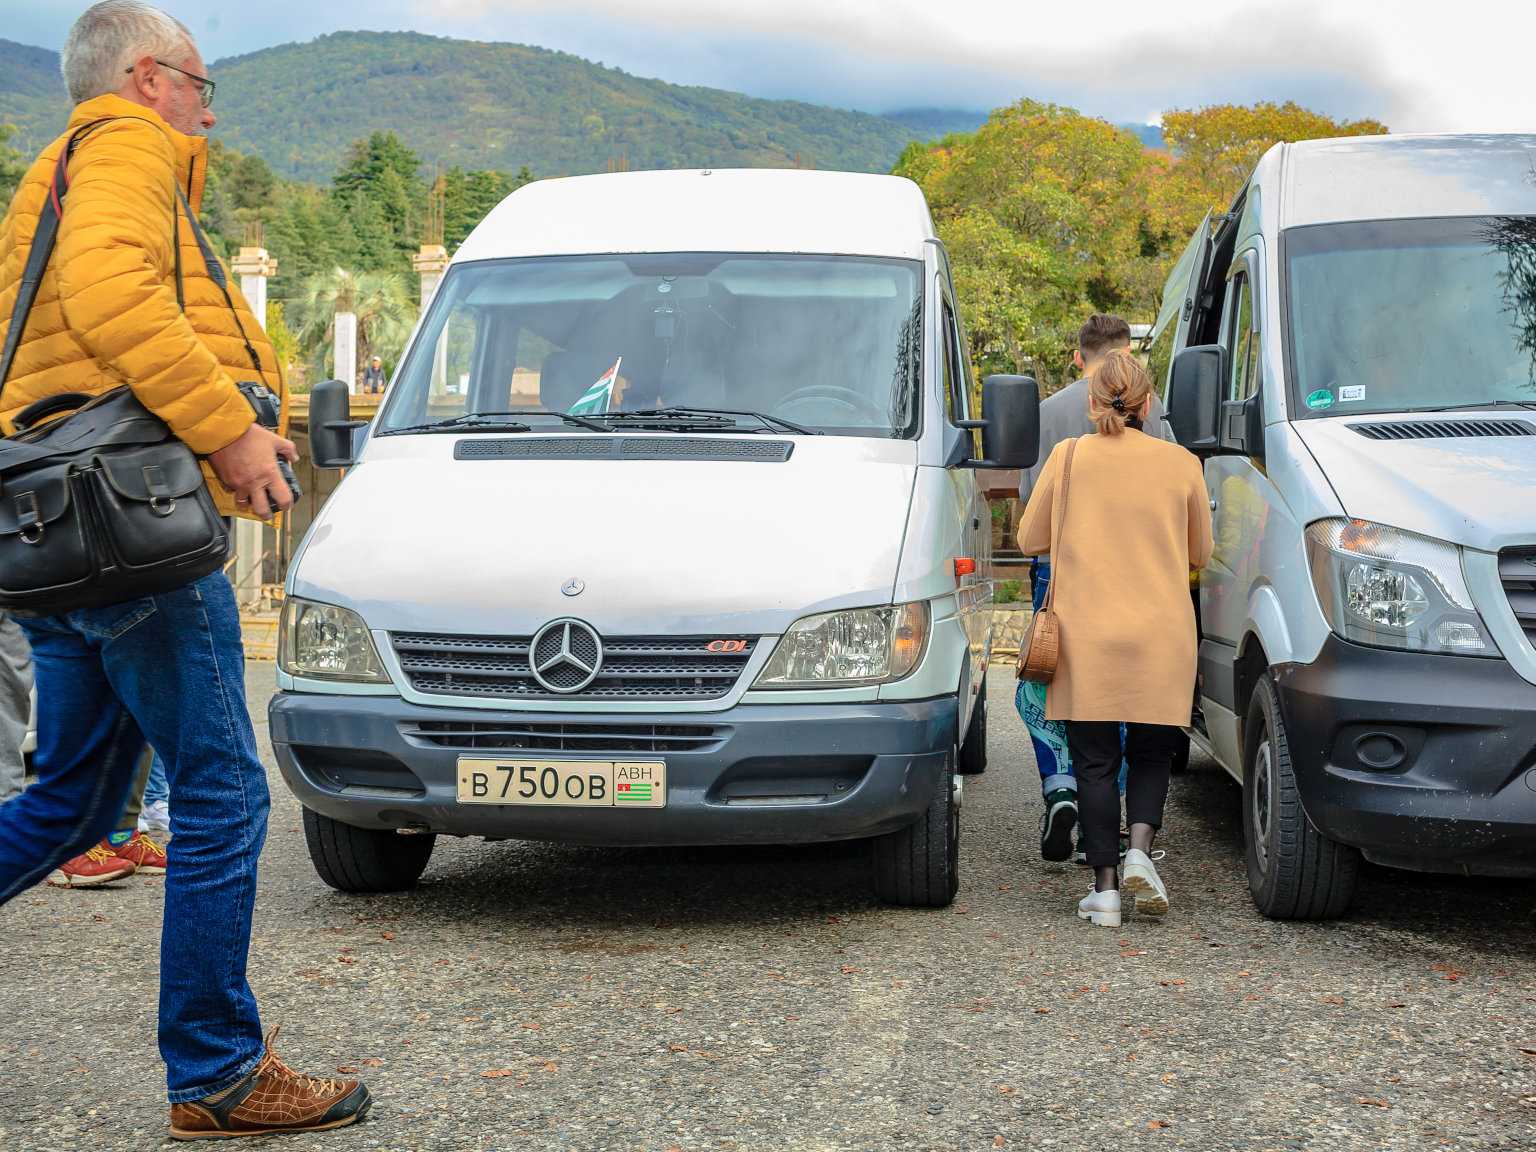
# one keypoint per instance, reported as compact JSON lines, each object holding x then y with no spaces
{"x":1095,"y":749}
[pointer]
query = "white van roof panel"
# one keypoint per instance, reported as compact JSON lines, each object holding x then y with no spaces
{"x":720,"y":210}
{"x":1399,"y":177}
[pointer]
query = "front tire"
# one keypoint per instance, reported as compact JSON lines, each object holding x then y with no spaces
{"x":919,"y":866}
{"x":1294,"y":871}
{"x":973,"y":753}
{"x":365,"y":860}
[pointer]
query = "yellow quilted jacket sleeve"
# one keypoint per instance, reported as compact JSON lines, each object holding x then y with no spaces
{"x":115,"y":264}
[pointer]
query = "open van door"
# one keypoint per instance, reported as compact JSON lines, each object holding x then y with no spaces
{"x":1170,"y":334}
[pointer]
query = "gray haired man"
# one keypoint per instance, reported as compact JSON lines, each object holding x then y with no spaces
{"x":130,"y":297}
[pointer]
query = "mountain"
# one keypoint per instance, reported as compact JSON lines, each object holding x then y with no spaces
{"x":31,"y":93}
{"x":935,"y":123}
{"x":480,"y":105}
{"x":491,"y":105}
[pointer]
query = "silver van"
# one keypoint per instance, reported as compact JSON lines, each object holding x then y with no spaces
{"x":1352,"y":351}
{"x":667,"y":532}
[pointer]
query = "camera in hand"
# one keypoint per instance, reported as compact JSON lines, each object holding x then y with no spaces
{"x":268,"y":412}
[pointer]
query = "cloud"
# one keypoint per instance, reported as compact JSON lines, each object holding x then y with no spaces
{"x":1404,"y":61}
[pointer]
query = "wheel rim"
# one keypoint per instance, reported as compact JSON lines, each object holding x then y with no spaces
{"x":1263,"y":775}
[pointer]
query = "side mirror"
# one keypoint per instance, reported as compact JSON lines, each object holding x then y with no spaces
{"x":1242,"y":426}
{"x":331,"y":425}
{"x":1010,"y":422}
{"x":1195,"y":386}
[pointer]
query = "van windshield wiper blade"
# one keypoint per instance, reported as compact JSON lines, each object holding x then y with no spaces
{"x":493,"y":422}
{"x":773,"y":423}
{"x":1530,"y":405}
{"x":500,"y":421}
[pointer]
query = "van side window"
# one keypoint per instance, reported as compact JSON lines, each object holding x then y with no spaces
{"x":1242,"y":341}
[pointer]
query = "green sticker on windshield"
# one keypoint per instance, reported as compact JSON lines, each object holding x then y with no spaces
{"x":1322,"y":398}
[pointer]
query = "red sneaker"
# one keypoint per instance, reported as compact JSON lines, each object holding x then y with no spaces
{"x":145,"y":854}
{"x":97,"y":865}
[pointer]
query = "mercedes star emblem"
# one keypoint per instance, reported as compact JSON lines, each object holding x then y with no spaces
{"x":565,"y":656}
{"x":574,"y":586}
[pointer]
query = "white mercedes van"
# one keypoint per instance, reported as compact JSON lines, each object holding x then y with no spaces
{"x":1352,"y":349}
{"x":667,"y":532}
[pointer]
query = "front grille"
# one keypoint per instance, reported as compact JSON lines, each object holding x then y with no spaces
{"x":1517,"y":572}
{"x":607,"y":739}
{"x":634,"y":667}
{"x":1443,"y":429}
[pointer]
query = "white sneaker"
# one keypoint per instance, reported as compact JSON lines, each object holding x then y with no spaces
{"x":155,"y":818}
{"x":1102,"y":909}
{"x":1144,"y":884}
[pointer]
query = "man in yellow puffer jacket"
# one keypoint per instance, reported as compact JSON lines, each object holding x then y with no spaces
{"x":168,"y":668}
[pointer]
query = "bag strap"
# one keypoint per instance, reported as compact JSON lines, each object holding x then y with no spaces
{"x":1061,"y":519}
{"x":216,"y":274}
{"x":43,"y":241}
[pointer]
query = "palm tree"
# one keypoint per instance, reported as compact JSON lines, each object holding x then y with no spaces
{"x":380,"y":300}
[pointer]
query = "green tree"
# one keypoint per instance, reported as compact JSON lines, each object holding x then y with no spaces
{"x":381,"y":174}
{"x":469,"y":196}
{"x":380,"y":300}
{"x":12,"y":166}
{"x":285,"y":346}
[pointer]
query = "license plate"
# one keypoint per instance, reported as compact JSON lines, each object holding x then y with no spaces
{"x":563,"y":783}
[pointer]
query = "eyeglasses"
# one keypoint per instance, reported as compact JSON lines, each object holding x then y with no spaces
{"x":205,"y":86}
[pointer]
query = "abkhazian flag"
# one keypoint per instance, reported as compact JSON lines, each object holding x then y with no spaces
{"x":597,"y":398}
{"x":633,"y":794}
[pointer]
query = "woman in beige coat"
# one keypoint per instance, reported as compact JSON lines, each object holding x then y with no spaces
{"x":1136,"y":521}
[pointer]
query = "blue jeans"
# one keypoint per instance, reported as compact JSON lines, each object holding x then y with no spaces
{"x":157,"y":789}
{"x":168,"y":669}
{"x":1049,"y":737}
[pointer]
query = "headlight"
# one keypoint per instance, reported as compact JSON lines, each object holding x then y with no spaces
{"x":1392,"y":589}
{"x":326,"y":642}
{"x":847,"y":649}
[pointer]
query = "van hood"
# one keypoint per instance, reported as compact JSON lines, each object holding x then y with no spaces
{"x":1474,"y":491}
{"x":416,"y":540}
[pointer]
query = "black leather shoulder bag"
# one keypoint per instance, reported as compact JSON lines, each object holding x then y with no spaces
{"x":104,"y":504}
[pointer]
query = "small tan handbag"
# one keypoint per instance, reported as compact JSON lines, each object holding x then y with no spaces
{"x":1042,"y":642}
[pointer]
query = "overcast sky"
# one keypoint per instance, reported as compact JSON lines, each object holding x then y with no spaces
{"x":1419,"y":65}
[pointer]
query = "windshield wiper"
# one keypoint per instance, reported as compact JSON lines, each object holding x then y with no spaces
{"x":1528,"y":404}
{"x":773,"y":423}
{"x":492,"y":422}
{"x":579,"y":421}
{"x":488,"y":420}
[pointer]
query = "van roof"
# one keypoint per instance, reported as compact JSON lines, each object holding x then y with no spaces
{"x":703,"y":210}
{"x":1397,"y":177}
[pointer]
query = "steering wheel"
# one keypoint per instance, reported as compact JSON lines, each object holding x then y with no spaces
{"x":847,"y":397}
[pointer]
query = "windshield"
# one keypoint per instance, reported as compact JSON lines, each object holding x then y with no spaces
{"x":830,"y":343}
{"x":1398,"y":315}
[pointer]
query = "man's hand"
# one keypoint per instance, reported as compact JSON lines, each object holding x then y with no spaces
{"x":249,"y":468}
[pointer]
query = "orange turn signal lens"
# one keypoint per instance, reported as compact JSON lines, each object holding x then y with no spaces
{"x":965,"y":566}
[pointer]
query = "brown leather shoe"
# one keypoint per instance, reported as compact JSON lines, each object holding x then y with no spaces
{"x":272,"y":1099}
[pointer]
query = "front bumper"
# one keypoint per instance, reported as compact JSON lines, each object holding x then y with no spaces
{"x":754,"y":774}
{"x":1423,"y":762}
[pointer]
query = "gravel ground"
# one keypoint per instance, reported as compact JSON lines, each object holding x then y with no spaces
{"x":539,"y":997}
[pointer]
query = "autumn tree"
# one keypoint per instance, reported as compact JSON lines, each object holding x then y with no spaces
{"x":1214,"y":150}
{"x":12,"y":167}
{"x":1041,"y":213}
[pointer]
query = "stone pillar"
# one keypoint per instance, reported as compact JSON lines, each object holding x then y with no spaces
{"x":344,"y":349}
{"x":429,"y":263}
{"x":254,"y":266}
